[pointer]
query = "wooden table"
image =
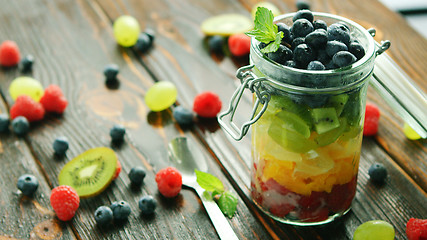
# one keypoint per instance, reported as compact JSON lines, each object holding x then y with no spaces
{"x":72,"y":41}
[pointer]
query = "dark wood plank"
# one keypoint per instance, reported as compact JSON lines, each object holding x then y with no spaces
{"x":187,"y":64}
{"x":24,"y":217}
{"x":76,"y":63}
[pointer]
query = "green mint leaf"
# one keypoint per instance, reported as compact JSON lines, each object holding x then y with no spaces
{"x":228,"y":204}
{"x":208,"y":181}
{"x":273,"y":46}
{"x":265,"y":30}
{"x":207,"y":196}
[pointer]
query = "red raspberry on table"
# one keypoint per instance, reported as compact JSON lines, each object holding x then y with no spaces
{"x":207,"y":104}
{"x":53,"y":99}
{"x":65,"y":202}
{"x":416,"y":229}
{"x":169,"y":181}
{"x":118,"y":170}
{"x":9,"y":54}
{"x":27,"y":107}
{"x":372,"y":115}
{"x":239,"y":44}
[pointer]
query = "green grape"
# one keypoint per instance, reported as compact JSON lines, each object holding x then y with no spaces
{"x":374,"y":230}
{"x":161,"y":96}
{"x":410,"y":133}
{"x":126,"y":30}
{"x":26,"y":86}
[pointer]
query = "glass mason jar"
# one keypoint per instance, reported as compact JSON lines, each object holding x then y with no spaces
{"x":307,"y":131}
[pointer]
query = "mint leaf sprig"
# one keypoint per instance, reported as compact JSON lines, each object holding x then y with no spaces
{"x":214,"y":189}
{"x":265,"y":30}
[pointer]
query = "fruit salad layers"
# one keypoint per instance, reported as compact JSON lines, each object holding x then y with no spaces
{"x":306,"y":156}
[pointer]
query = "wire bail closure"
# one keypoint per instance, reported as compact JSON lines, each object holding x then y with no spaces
{"x":249,"y":81}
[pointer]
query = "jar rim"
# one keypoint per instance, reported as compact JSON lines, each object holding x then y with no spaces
{"x":355,"y":67}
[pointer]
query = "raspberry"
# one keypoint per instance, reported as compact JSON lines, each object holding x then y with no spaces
{"x":308,"y":215}
{"x":207,"y":104}
{"x":169,"y":181}
{"x":282,"y":209}
{"x":118,"y":170}
{"x":25,"y":106}
{"x":341,"y":196}
{"x":53,"y":99}
{"x":372,"y":115}
{"x":9,"y":54}
{"x":239,"y":44}
{"x":65,"y":202}
{"x":416,"y":229}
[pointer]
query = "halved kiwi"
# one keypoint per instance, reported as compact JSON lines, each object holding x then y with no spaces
{"x":226,"y":24}
{"x":90,"y":172}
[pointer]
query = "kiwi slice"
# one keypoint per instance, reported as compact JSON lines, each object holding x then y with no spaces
{"x":331,"y":136}
{"x":285,"y":103}
{"x":226,"y":24}
{"x":294,"y":123}
{"x":324,"y":119}
{"x":338,"y":102}
{"x":90,"y":172}
{"x":288,"y":139}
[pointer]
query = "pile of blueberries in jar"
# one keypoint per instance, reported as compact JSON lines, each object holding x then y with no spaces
{"x":313,"y":45}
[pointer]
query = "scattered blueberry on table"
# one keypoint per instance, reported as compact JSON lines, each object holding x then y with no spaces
{"x":20,"y":126}
{"x":60,"y":145}
{"x":103,"y":215}
{"x":137,"y":175}
{"x":147,"y":205}
{"x":117,"y":133}
{"x":121,"y":210}
{"x":28,"y":184}
{"x":377,"y":172}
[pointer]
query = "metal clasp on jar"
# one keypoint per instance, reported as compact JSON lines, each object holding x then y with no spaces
{"x":253,"y":83}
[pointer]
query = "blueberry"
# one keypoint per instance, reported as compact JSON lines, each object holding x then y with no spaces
{"x":333,"y":47}
{"x":143,"y":43}
{"x":339,"y":32}
{"x":28,"y":184}
{"x":287,"y":35}
{"x":343,"y":58}
{"x":303,"y":14}
{"x":303,"y":54}
{"x":216,"y":43}
{"x":301,"y":28}
{"x":150,"y":33}
{"x":282,"y":54}
{"x":4,"y":122}
{"x":20,"y":126}
{"x":297,"y":41}
{"x":345,"y":25}
{"x":117,"y":133}
{"x":377,"y":172}
{"x":291,"y":63}
{"x":302,"y":4}
{"x":27,"y":63}
{"x":315,"y":65}
{"x":357,"y":50}
{"x":121,"y":210}
{"x":137,"y":175}
{"x":262,"y":45}
{"x":323,"y":57}
{"x":147,"y":204}
{"x":111,"y":71}
{"x":320,"y":24}
{"x":183,"y":116}
{"x":103,"y":215}
{"x":316,"y":39}
{"x":60,"y":145}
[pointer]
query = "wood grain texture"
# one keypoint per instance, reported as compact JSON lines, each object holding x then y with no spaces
{"x":76,"y":64}
{"x":72,"y":42}
{"x":186,"y":67}
{"x":24,"y":217}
